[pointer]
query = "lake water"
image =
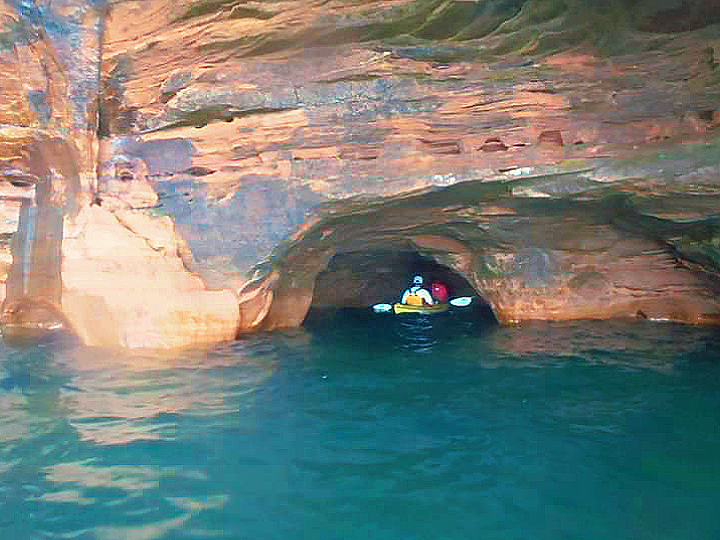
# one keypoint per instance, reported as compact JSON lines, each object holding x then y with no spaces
{"x":364,"y":426}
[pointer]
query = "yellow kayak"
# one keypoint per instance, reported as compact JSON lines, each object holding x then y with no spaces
{"x":426,"y":310}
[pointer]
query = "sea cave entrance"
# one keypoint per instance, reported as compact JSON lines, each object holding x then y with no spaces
{"x":363,"y":253}
{"x":356,"y":280}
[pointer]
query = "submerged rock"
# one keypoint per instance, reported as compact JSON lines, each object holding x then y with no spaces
{"x":30,"y":321}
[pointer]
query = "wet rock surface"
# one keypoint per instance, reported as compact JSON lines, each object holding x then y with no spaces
{"x":558,"y":158}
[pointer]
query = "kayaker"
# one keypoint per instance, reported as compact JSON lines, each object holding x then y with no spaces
{"x":415,"y":295}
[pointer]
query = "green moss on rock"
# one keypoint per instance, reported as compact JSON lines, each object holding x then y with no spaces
{"x":206,"y":7}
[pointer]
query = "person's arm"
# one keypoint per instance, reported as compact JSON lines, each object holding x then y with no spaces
{"x":405,"y":295}
{"x":425,"y":295}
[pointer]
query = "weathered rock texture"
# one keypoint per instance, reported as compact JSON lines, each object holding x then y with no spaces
{"x":557,"y":157}
{"x":575,"y":248}
{"x":144,"y":297}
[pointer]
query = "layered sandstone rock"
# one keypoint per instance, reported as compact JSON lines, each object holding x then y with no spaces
{"x":208,"y":167}
{"x":555,"y":247}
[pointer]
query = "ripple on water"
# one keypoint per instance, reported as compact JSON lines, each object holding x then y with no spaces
{"x":390,"y":429}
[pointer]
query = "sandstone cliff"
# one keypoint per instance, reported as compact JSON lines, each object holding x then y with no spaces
{"x":221,"y":166}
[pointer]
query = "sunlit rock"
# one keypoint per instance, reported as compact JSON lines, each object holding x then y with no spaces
{"x":124,"y":284}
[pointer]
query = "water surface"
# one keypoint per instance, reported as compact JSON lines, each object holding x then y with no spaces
{"x":370,"y":426}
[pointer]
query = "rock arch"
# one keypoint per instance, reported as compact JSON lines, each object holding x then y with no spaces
{"x":528,"y":257}
{"x":359,"y":254}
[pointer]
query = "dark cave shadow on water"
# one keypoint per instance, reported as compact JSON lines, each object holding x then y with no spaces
{"x":418,"y":333}
{"x":414,"y":333}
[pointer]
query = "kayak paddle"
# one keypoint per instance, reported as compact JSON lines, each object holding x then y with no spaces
{"x":461,"y":301}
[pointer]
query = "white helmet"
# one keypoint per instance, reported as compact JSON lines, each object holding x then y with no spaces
{"x":417,"y":280}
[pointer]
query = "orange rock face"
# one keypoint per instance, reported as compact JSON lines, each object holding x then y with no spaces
{"x":208,"y":168}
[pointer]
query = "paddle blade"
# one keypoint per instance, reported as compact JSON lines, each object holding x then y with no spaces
{"x":382,"y":308}
{"x":461,"y":301}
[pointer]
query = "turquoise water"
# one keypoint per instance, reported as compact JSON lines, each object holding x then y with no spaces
{"x":370,"y":427}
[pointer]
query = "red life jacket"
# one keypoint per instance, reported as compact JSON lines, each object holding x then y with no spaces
{"x":439,"y":293}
